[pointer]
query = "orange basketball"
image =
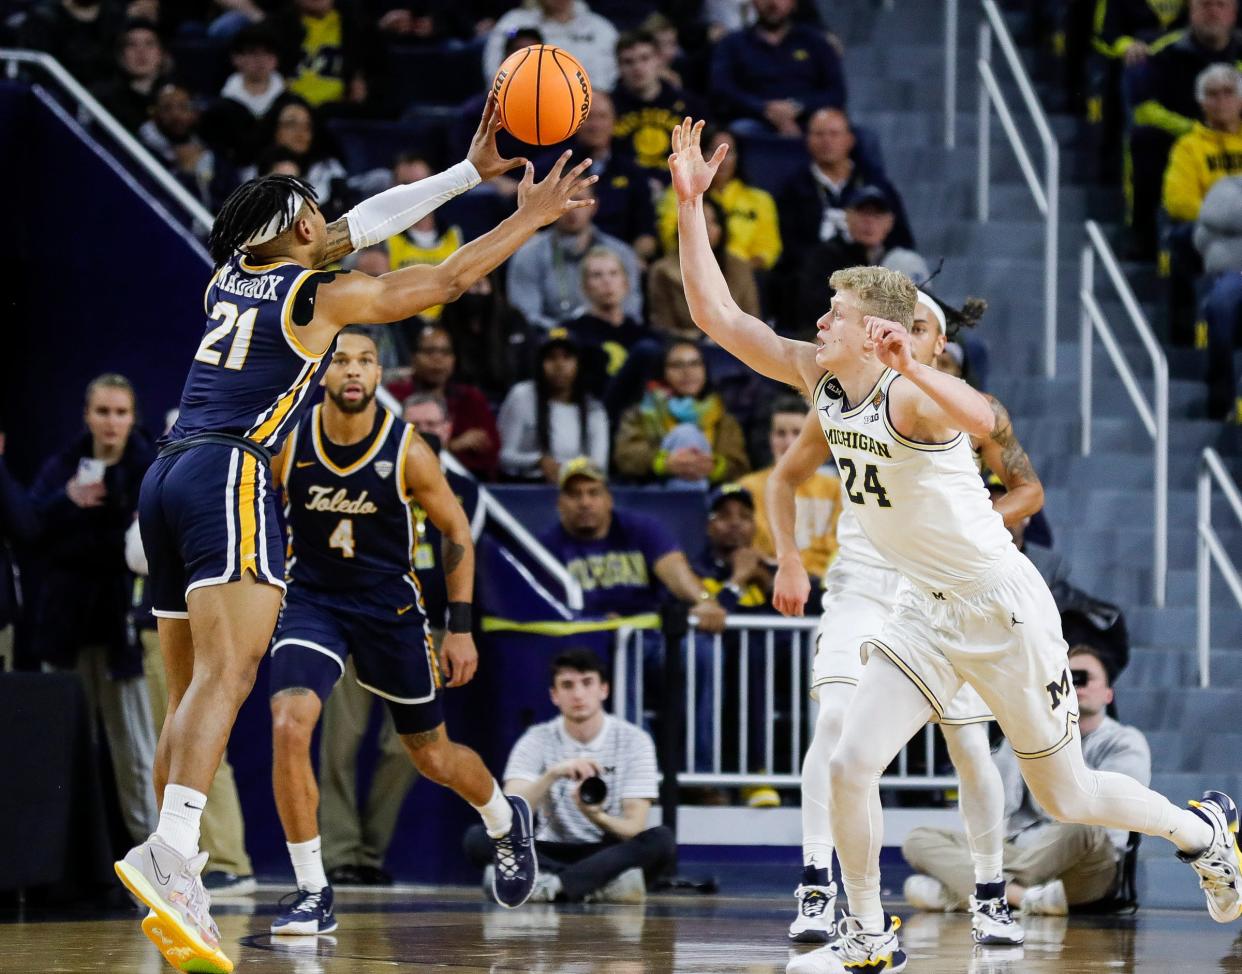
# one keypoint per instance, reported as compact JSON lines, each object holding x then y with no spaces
{"x":543,"y":94}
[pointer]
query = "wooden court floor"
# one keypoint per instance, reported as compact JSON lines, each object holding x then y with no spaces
{"x":450,"y":931}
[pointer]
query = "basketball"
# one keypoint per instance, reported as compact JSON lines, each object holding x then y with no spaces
{"x":542,"y":93}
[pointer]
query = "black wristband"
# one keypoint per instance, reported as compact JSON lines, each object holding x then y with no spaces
{"x":459,"y":617}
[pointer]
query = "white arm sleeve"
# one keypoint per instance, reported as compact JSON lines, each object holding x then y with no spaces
{"x":396,"y":210}
{"x":135,"y":557}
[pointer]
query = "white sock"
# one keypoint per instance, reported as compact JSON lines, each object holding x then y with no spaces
{"x":817,"y":853}
{"x":988,"y":869}
{"x":307,"y":864}
{"x":497,"y":814}
{"x":180,"y":816}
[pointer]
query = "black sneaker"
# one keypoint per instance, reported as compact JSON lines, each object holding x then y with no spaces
{"x":346,"y":876}
{"x":374,"y":876}
{"x":220,"y":883}
{"x":517,"y":865}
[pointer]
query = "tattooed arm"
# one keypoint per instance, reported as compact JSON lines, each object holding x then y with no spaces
{"x":340,"y":244}
{"x":1004,"y":456}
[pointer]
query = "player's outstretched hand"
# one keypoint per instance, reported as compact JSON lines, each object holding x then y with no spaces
{"x":692,"y":174}
{"x":892,"y":343}
{"x":791,"y":587}
{"x":461,"y":659}
{"x":554,"y":194}
{"x":483,"y":154}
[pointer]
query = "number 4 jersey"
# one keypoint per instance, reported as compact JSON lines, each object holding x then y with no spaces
{"x":251,"y":375}
{"x":922,"y":505}
{"x":348,"y":514}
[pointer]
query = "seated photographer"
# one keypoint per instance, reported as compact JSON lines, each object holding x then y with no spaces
{"x":591,"y":778}
{"x":1049,"y":866}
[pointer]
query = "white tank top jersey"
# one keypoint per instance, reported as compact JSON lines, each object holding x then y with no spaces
{"x":853,"y":545}
{"x":922,"y":506}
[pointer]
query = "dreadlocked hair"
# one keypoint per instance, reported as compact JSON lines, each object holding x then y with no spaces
{"x":967,"y":316}
{"x":251,"y":207}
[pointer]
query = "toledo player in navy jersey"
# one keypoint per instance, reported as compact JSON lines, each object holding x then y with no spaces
{"x":351,"y":473}
{"x":207,"y":511}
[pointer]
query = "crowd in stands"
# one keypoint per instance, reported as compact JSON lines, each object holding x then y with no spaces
{"x":1160,"y":85}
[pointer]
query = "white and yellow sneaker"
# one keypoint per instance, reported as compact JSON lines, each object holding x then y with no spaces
{"x":855,"y":949}
{"x":1219,"y":865}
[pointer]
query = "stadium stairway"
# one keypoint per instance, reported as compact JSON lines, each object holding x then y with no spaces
{"x":1100,"y":506}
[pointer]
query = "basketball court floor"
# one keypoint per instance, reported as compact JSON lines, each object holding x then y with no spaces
{"x":418,"y":929}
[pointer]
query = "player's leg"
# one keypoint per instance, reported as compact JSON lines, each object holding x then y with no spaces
{"x":982,"y":804}
{"x":176,"y":648}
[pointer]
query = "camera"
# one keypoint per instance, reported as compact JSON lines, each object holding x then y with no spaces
{"x":593,"y":791}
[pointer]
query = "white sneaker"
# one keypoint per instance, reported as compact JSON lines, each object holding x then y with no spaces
{"x":1046,"y":900}
{"x":926,"y":894}
{"x":1219,"y":864}
{"x":816,"y":919}
{"x":856,"y":950}
{"x":545,"y":889}
{"x":629,"y":887}
{"x":992,"y":923}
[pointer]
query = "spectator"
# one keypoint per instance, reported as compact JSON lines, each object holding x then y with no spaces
{"x":1125,"y":29}
{"x":1162,"y":91}
{"x":817,"y":500}
{"x":869,"y":221}
{"x":622,"y":195}
{"x":754,"y":234}
{"x":604,"y":332}
{"x":356,"y":836}
{"x":732,"y":568}
{"x":1212,"y":149}
{"x":666,"y":302}
{"x":1218,"y":237}
{"x":172,"y":136}
{"x":79,"y":33}
{"x":483,"y":320}
{"x":774,"y":73}
{"x":545,"y":279}
{"x":228,"y":870}
{"x":564,"y":23}
{"x":475,"y":442}
{"x":1049,"y":866}
{"x":256,"y":82}
{"x":681,"y":433}
{"x":647,"y":105}
{"x":140,"y":61}
{"x":19,"y":525}
{"x":86,"y":497}
{"x":601,"y":849}
{"x":294,"y":129}
{"x":550,"y":419}
{"x":673,"y":60}
{"x":424,"y":242}
{"x":812,"y":203}
{"x":323,"y":51}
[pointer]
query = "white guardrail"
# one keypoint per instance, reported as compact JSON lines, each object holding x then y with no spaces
{"x":1211,"y":550}
{"x":1046,"y":195}
{"x":1154,"y":412}
{"x":750,"y":740}
{"x":88,"y":106}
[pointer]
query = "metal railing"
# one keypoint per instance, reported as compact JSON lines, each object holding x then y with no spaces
{"x":1211,"y":550}
{"x":773,"y":656}
{"x":950,"y":74}
{"x":1047,"y":195}
{"x":1155,"y":417}
{"x":198,"y":215}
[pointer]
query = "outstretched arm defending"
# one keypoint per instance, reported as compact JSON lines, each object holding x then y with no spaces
{"x":707,"y":293}
{"x":808,"y":453}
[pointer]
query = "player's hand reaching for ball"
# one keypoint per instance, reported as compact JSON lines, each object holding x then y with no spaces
{"x":554,"y":195}
{"x":892,"y":343}
{"x":460,"y":657}
{"x":791,"y":587}
{"x":483,"y":154}
{"x":692,"y":174}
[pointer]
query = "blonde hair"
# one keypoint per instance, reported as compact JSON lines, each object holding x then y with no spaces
{"x":600,"y":252}
{"x":882,"y":292}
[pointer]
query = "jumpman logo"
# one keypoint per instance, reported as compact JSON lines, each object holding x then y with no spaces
{"x":1014,"y":620}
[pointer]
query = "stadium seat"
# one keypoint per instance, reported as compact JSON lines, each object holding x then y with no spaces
{"x":433,"y":75}
{"x":370,"y":144}
{"x":201,"y":64}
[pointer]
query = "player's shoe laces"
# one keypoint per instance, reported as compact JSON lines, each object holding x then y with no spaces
{"x":992,"y":923}
{"x":855,"y":950}
{"x":305,"y":913}
{"x":1220,"y":864}
{"x":517,"y":866}
{"x":816,"y":917}
{"x":180,"y":922}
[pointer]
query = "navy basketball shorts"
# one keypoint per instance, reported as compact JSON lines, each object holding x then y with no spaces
{"x":207,"y":516}
{"x":388,"y":637}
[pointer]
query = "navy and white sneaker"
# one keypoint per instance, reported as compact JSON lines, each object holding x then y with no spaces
{"x":307,"y":914}
{"x":517,"y":865}
{"x":1219,"y":865}
{"x":816,"y":919}
{"x":991,"y":922}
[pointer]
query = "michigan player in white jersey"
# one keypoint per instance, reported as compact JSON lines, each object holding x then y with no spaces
{"x":971,"y":608}
{"x":860,"y":592}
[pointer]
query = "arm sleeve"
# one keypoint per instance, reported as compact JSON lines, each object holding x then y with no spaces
{"x":396,"y":210}
{"x":526,"y":760}
{"x":135,"y":556}
{"x":597,"y":433}
{"x":642,"y":772}
{"x":516,"y":421}
{"x":724,"y":79}
{"x":1182,"y":198}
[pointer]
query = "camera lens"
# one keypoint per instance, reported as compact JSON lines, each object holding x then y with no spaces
{"x":593,"y":791}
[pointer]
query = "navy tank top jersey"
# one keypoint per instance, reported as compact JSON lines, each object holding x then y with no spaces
{"x":251,"y":376}
{"x":350,"y":520}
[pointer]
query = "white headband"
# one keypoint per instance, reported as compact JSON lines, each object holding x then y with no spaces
{"x":926,"y":299}
{"x":278,"y":224}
